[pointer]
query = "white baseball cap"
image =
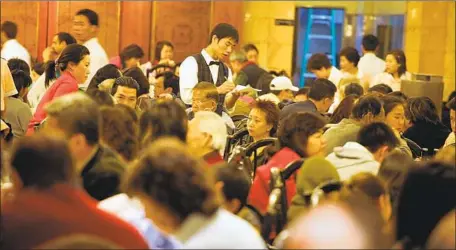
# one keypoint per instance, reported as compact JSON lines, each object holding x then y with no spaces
{"x":282,"y":83}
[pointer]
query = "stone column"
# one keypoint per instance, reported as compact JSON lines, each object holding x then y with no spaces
{"x":429,"y":40}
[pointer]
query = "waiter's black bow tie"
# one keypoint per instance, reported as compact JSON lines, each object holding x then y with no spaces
{"x":214,"y":63}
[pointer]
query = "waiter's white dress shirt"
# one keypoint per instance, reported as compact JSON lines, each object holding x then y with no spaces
{"x":13,"y":49}
{"x":189,"y":75}
{"x":98,"y":59}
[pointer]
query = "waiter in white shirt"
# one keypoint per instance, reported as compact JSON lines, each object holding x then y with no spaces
{"x":369,"y":63}
{"x":206,"y":66}
{"x":11,"y":48}
{"x":85,"y":28}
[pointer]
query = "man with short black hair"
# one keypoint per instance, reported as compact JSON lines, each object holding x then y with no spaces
{"x":381,"y":89}
{"x":11,"y":48}
{"x":125,"y":91}
{"x":366,"y":110}
{"x":321,"y":97}
{"x":207,"y":65}
{"x":369,"y":63}
{"x":85,"y":28}
{"x":167,"y":83}
{"x":251,"y":52}
{"x":60,"y":41}
{"x":75,"y":117}
{"x":302,"y":94}
{"x":354,"y":89}
{"x":233,"y":184}
{"x":320,"y":65}
{"x":373,"y":144}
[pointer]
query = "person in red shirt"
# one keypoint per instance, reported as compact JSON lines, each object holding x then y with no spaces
{"x":72,"y":68}
{"x":206,"y":136}
{"x":47,"y":203}
{"x":300,"y":135}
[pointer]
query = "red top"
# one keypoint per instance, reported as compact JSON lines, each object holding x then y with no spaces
{"x":213,"y":158}
{"x":35,"y":217}
{"x":65,"y":84}
{"x":259,"y":192}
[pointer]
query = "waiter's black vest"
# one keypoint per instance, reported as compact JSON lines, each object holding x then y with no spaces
{"x":204,"y":73}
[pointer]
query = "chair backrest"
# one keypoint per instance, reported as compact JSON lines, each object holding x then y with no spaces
{"x":159,"y":66}
{"x":240,"y":122}
{"x":291,"y":168}
{"x":417,"y":151}
{"x":239,"y":159}
{"x":237,"y":118}
{"x":278,"y":219}
{"x":252,"y":148}
{"x":239,"y":138}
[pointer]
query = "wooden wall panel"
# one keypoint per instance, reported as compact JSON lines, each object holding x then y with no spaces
{"x":42,"y":28}
{"x":109,"y":21}
{"x":231,"y":12}
{"x":25,"y":14}
{"x":185,"y":24}
{"x":135,"y":25}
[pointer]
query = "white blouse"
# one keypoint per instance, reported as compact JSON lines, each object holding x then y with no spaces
{"x":388,"y":79}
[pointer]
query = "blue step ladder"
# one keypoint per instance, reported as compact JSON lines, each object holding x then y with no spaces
{"x":325,"y":20}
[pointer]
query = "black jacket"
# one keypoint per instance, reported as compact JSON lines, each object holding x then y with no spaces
{"x":428,"y":135}
{"x":102,"y":174}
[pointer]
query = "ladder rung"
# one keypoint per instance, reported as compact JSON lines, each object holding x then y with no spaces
{"x":325,"y":22}
{"x":309,"y":75}
{"x":321,"y":17}
{"x":308,"y":55}
{"x":316,"y":36}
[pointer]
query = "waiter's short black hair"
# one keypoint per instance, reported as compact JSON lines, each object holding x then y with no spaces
{"x":10,"y":29}
{"x":90,"y":14}
{"x":370,"y":42}
{"x":223,"y":30}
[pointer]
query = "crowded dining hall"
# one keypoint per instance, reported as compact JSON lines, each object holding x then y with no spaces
{"x":227,"y":125}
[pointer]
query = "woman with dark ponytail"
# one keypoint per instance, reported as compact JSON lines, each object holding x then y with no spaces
{"x":70,"y":69}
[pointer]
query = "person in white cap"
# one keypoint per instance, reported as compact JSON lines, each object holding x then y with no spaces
{"x":281,"y":89}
